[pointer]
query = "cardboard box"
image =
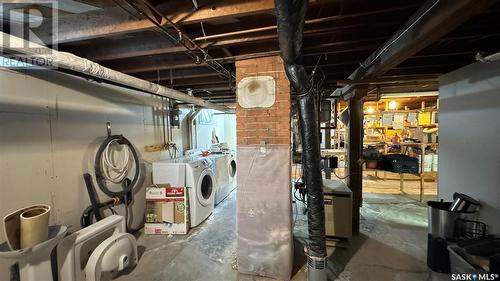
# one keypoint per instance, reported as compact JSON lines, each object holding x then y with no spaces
{"x":166,"y":214}
{"x":179,"y":211}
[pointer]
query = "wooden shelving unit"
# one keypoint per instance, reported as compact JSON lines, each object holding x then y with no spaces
{"x":384,"y":142}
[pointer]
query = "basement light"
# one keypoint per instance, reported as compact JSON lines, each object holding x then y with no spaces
{"x":393,"y":105}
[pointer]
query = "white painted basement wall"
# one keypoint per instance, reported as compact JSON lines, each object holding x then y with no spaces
{"x":469,"y":137}
{"x":225,"y":128}
{"x":50,"y":127}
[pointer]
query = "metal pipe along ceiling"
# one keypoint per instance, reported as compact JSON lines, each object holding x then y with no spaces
{"x":291,"y":17}
{"x":46,"y":57}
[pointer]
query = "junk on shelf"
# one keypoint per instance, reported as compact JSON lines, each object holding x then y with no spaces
{"x":371,"y":155}
{"x":457,"y":241}
{"x":399,"y":163}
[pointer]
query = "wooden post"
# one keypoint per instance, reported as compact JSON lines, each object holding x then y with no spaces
{"x":401,"y":182}
{"x":328,"y":138}
{"x":422,"y":157}
{"x":386,"y":149}
{"x":355,"y":147}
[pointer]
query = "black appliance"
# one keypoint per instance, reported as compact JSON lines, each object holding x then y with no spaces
{"x":399,"y":163}
{"x":495,"y":264}
{"x":438,"y":257}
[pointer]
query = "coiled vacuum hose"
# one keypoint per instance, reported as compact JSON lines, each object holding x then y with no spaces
{"x":104,"y":163}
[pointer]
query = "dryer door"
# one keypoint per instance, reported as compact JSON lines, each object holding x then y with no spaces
{"x":231,"y":168}
{"x":205,"y":188}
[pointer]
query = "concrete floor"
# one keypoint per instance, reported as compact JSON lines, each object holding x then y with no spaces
{"x":391,"y":246}
{"x":411,"y":186}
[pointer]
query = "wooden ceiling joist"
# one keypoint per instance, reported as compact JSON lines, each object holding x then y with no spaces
{"x":432,"y":21}
{"x":115,"y":21}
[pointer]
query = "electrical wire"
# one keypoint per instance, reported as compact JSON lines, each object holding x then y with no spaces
{"x":108,"y":162}
{"x":342,"y":178}
{"x":346,"y":176}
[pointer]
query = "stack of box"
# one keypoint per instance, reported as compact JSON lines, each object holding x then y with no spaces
{"x":166,"y":210}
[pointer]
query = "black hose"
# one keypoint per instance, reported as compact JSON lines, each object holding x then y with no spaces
{"x":88,"y":214}
{"x":101,"y":181}
{"x":291,"y":17}
{"x":125,"y":195}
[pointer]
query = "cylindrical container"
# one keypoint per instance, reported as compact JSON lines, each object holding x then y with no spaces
{"x":34,"y":225}
{"x":428,"y":162}
{"x":442,"y":221}
{"x":463,"y":203}
{"x":371,"y":164}
{"x":435,"y":164}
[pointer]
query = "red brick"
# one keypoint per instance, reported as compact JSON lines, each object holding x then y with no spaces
{"x":271,"y":125}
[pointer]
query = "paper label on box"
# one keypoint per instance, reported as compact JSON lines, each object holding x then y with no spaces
{"x":175,"y":191}
{"x":162,"y":229}
{"x":163,"y":191}
{"x":155,"y":192}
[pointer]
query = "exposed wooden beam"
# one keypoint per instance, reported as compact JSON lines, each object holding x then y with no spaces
{"x":125,"y":49}
{"x":157,"y":45}
{"x":218,"y":88}
{"x":151,"y":65}
{"x":390,"y":80}
{"x":193,"y":84}
{"x":178,"y":74}
{"x":116,"y":21}
{"x":307,"y":22}
{"x":147,"y":67}
{"x":306,"y":54}
{"x":216,"y":96}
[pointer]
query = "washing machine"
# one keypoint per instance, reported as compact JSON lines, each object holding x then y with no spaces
{"x":221,"y":173}
{"x":201,"y":184}
{"x":195,"y":173}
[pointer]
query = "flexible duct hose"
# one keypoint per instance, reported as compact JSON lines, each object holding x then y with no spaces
{"x":291,"y":16}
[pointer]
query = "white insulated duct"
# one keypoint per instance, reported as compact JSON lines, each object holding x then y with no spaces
{"x":47,"y":57}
